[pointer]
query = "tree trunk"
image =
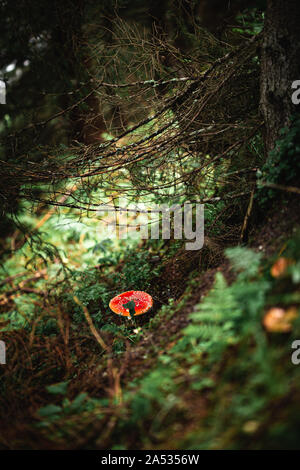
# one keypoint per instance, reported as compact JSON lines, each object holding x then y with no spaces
{"x":280,"y":66}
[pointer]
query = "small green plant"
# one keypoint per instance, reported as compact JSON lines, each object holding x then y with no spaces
{"x":53,"y":412}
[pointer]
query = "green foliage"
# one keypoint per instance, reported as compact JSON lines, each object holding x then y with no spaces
{"x":251,"y":20}
{"x":245,"y":261}
{"x":58,"y":389}
{"x":214,"y":322}
{"x":51,"y":412}
{"x":226,"y":316}
{"x":283,"y":163}
{"x":229,"y":312}
{"x":68,"y":408}
{"x":293,"y":246}
{"x":255,"y":374}
{"x":156,"y":389}
{"x":137,"y":271}
{"x":295,"y":273}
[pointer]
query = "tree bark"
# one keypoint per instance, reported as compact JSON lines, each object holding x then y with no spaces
{"x":280,"y":66}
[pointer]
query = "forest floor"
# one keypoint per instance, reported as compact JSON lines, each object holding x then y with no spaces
{"x":110,"y":400}
{"x":268,"y":238}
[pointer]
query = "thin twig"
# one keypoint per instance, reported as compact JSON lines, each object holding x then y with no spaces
{"x":91,"y":324}
{"x":289,"y":189}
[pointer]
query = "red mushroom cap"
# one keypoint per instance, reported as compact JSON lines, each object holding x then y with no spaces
{"x":143,"y":302}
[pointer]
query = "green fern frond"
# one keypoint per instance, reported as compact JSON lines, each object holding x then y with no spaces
{"x":244,"y":261}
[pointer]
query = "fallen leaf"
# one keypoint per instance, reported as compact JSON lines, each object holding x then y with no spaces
{"x":280,"y":266}
{"x":279,"y":320}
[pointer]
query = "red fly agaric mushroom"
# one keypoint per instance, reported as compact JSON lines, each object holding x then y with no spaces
{"x":143,"y":302}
